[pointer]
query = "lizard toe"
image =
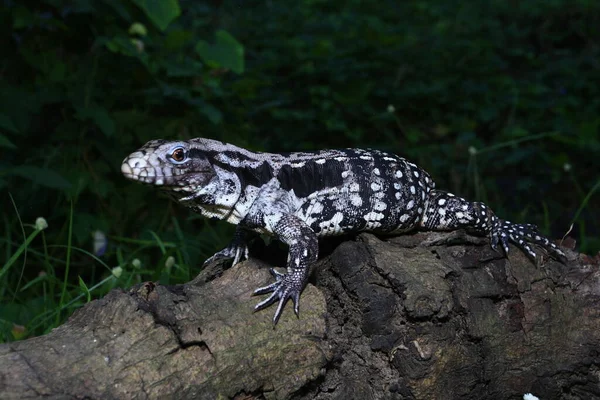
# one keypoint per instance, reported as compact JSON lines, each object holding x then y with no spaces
{"x":522,"y":235}
{"x":266,"y":302}
{"x":283,"y":290}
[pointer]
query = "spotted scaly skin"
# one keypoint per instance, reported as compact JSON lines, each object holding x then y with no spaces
{"x":299,"y":197}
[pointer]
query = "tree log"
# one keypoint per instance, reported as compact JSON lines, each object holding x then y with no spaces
{"x":421,"y":316}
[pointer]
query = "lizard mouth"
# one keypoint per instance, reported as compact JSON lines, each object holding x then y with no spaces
{"x":142,"y":179}
{"x":155,"y":180}
{"x":150,"y":176}
{"x":157,"y":177}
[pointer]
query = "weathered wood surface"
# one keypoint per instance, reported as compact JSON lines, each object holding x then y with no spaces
{"x":423,"y":316}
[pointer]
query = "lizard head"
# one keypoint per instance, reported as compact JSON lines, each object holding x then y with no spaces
{"x":175,"y":167}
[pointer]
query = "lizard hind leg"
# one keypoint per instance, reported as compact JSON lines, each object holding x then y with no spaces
{"x":445,"y":211}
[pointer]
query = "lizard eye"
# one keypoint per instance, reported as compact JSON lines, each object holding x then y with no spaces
{"x":178,"y":154}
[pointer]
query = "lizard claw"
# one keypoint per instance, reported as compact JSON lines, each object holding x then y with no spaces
{"x":234,"y":251}
{"x":499,"y":236}
{"x":237,"y":250}
{"x":283,"y":289}
{"x":521,"y":235}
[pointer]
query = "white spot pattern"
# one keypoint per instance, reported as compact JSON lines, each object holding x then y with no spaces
{"x":299,"y":196}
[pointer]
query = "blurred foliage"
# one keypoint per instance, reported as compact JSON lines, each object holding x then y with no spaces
{"x":498,"y":100}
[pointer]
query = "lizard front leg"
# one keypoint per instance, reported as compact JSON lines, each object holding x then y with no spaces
{"x":303,"y":252}
{"x":236,"y":250}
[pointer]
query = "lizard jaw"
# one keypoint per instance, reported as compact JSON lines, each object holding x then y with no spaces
{"x":143,"y":174}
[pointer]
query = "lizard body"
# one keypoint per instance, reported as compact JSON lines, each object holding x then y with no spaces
{"x":299,"y":197}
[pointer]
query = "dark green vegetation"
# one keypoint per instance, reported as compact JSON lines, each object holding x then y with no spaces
{"x":498,"y":100}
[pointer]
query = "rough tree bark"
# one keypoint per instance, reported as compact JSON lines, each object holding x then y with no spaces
{"x":422,"y":316}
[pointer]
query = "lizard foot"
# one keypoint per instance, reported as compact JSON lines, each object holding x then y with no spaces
{"x":285,"y":287}
{"x":235,"y":251}
{"x":521,"y":235}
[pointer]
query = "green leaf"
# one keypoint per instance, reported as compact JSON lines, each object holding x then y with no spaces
{"x":177,"y":39}
{"x":160,"y":12}
{"x":85,"y":289}
{"x":227,"y":52}
{"x":4,"y":142}
{"x":100,"y":117}
{"x":57,"y":72}
{"x":22,"y":18}
{"x":7,"y":124}
{"x":212,"y":113}
{"x":121,"y":45}
{"x":42,"y":176}
{"x":183,"y":68}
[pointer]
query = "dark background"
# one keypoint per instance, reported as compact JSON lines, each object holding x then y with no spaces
{"x":498,"y":100}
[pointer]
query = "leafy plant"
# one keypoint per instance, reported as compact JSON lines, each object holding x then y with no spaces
{"x":499,"y":101}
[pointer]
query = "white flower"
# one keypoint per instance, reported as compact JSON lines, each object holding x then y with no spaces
{"x":472,"y":150}
{"x":138,"y":28}
{"x":529,"y":396}
{"x":169,"y":262}
{"x":391,"y":108}
{"x":117,"y":271}
{"x":40,"y":223}
{"x":136,"y":263}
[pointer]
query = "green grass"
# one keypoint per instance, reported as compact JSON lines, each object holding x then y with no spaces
{"x":41,"y":284}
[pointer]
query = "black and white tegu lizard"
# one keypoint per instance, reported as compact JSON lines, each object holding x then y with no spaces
{"x":299,"y":197}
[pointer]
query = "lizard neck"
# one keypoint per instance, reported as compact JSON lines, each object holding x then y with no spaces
{"x":218,"y":199}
